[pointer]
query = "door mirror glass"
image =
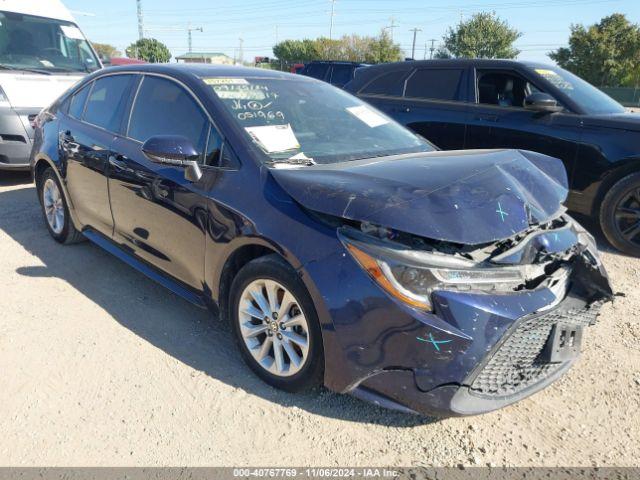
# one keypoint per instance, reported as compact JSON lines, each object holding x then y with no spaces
{"x":174,"y":150}
{"x":541,"y":102}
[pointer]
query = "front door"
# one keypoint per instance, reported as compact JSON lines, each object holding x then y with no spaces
{"x":498,"y":119}
{"x":159,"y":215}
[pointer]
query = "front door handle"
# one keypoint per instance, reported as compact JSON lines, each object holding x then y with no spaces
{"x":117,"y":163}
{"x":66,"y":138}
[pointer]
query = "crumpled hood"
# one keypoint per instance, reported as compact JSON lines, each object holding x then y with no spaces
{"x":26,"y":90}
{"x":469,"y":197}
{"x":620,"y":121}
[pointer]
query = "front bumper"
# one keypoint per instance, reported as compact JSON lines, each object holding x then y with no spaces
{"x":16,"y":138}
{"x":512,"y":370}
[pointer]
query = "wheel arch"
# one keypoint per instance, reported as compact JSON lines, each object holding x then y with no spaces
{"x":238,"y":258}
{"x":40,"y":164}
{"x":624,"y":168}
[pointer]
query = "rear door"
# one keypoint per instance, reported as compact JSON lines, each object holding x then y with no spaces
{"x":435,"y":105}
{"x":159,"y":215}
{"x":498,"y":118}
{"x":86,"y":135}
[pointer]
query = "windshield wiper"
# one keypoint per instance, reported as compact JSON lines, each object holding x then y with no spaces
{"x":23,"y":69}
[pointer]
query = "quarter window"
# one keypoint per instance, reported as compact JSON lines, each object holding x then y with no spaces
{"x":77,"y":102}
{"x":108,"y":101}
{"x":164,"y":108}
{"x":214,"y":144}
{"x":436,"y":84}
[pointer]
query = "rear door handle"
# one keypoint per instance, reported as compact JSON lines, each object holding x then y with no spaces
{"x":486,"y":118}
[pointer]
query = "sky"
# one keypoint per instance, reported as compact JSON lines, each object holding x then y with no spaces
{"x":544,"y":24}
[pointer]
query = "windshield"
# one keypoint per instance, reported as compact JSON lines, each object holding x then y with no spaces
{"x":305,"y":122}
{"x":590,"y":99}
{"x":43,"y":44}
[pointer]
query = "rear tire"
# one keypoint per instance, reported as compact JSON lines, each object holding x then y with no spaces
{"x":276,"y":325}
{"x":620,"y":215}
{"x":55,"y":209}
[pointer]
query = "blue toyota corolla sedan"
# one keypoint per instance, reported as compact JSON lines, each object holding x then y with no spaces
{"x":344,"y":249}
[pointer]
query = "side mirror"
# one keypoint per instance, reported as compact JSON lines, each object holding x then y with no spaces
{"x":542,"y":102}
{"x":174,"y":150}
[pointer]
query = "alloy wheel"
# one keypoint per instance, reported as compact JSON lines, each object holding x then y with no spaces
{"x":274,"y":327}
{"x":53,"y":206}
{"x":627,"y":216}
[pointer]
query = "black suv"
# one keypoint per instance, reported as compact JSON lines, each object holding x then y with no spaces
{"x":335,"y":73}
{"x":468,"y":104}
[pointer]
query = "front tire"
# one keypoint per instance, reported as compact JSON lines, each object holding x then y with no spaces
{"x":276,"y":325}
{"x":620,"y":215}
{"x":56,"y":210}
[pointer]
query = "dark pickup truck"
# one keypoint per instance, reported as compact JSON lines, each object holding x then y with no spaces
{"x":470,"y":104}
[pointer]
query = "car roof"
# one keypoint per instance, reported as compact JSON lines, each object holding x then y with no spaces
{"x":204,"y":70}
{"x":336,"y":62}
{"x":365,"y":74}
{"x":457,"y":62}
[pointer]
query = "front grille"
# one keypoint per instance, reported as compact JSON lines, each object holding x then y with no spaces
{"x":517,"y":363}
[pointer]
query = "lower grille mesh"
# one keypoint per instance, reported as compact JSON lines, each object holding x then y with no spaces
{"x":516,"y":364}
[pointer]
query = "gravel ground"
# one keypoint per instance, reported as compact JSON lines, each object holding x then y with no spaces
{"x":100,"y":366}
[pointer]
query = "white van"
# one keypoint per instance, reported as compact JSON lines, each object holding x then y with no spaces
{"x":42,"y":53}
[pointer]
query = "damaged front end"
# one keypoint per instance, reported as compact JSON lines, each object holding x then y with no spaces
{"x":465,"y":287}
{"x":513,"y":312}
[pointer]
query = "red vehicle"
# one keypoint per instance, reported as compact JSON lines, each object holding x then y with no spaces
{"x":297,"y":67}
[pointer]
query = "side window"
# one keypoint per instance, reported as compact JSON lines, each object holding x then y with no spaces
{"x":503,"y":88}
{"x":107,"y":102}
{"x":389,"y":83}
{"x":436,"y":84}
{"x":214,"y":144}
{"x":76,"y":107}
{"x":341,"y":74}
{"x":162,"y":107}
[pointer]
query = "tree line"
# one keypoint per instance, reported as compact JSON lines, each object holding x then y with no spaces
{"x":606,"y":53}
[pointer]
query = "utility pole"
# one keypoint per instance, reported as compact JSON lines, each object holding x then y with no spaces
{"x":140,"y":22}
{"x":331,"y":15}
{"x":392,"y":26}
{"x":413,"y":46}
{"x":240,"y":53}
{"x":189,"y":30}
{"x":432,"y":49}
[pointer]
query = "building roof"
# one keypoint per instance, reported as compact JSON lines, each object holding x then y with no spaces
{"x":201,"y":55}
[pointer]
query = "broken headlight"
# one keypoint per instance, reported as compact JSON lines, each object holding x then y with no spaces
{"x":411,"y":276}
